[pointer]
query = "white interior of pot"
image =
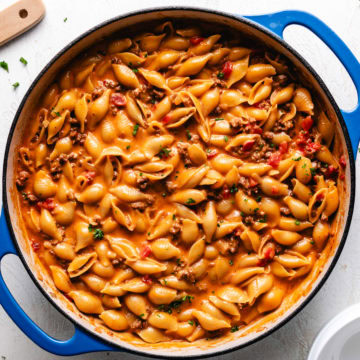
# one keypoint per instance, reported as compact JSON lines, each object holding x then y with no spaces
{"x":172,"y":348}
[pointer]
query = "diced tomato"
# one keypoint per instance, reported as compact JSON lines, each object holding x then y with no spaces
{"x":145,"y":252}
{"x":147,"y":279}
{"x":274,"y":159}
{"x":47,"y":204}
{"x":118,"y":99}
{"x":342,"y":176}
{"x":257,"y":130}
{"x":90,"y":175}
{"x":226,"y":192}
{"x":263,"y":104}
{"x":342,"y":161}
{"x":166,"y":119}
{"x":274,"y":190}
{"x":35,"y":245}
{"x":307,"y":123}
{"x":268,"y":254}
{"x":227,"y":69}
{"x":195,"y":40}
{"x":320,"y":197}
{"x":302,"y":139}
{"x":252,"y":182}
{"x":283,"y":147}
{"x":312,"y":147}
{"x":211,"y":154}
{"x":248,"y":145}
{"x":331,"y":171}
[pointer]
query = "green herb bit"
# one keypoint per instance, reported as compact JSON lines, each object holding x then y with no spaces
{"x":4,"y":65}
{"x":190,"y":201}
{"x":127,"y":147}
{"x":226,"y":139}
{"x":98,"y":234}
{"x":15,"y":85}
{"x":91,"y":228}
{"x":56,"y":113}
{"x":234,"y":329}
{"x":312,"y":242}
{"x":234,"y":189}
{"x":219,"y":119}
{"x":190,"y":322}
{"x":297,"y":222}
{"x":65,"y":20}
{"x":258,"y":199}
{"x":165,"y":282}
{"x":24,"y":61}
{"x":231,"y":263}
{"x":163,"y":194}
{"x":174,"y":216}
{"x":220,"y":75}
{"x":187,"y":298}
{"x":264,"y":219}
{"x":164,"y":152}
{"x":313,"y":171}
{"x":303,"y":166}
{"x":296,"y":159}
{"x":272,"y":145}
{"x":188,"y":134}
{"x":218,"y":225}
{"x":135,"y":129}
{"x":135,"y":70}
{"x":256,"y":210}
{"x":142,"y":315}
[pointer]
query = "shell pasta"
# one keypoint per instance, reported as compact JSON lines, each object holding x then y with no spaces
{"x":178,"y":184}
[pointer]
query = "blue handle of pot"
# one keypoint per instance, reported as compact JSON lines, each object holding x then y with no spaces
{"x":80,"y":342}
{"x":277,"y":22}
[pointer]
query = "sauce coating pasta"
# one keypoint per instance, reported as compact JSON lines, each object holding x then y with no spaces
{"x":178,"y":185}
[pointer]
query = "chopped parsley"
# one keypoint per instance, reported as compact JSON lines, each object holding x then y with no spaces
{"x":142,"y":315}
{"x":163,"y":194}
{"x":153,"y":101}
{"x":272,"y":145}
{"x":175,"y":305}
{"x":56,"y":113}
{"x":128,"y":147}
{"x":256,"y":210}
{"x":296,"y":159}
{"x":231,"y":263}
{"x":312,"y":242}
{"x":190,"y":322}
{"x":65,"y":20}
{"x":258,"y":199}
{"x":187,"y":298}
{"x":25,"y":195}
{"x":174,"y":216}
{"x":97,"y":233}
{"x":264,"y":219}
{"x":234,"y":329}
{"x":226,"y":139}
{"x":15,"y":85}
{"x":188,"y":134}
{"x":219,"y":119}
{"x":233,"y":189}
{"x":297,"y":222}
{"x":24,"y":61}
{"x":135,"y":129}
{"x":165,"y":282}
{"x":4,"y":65}
{"x":190,"y":201}
{"x":220,"y":75}
{"x":135,"y":70}
{"x":313,"y":171}
{"x":303,"y":166}
{"x":164,"y":152}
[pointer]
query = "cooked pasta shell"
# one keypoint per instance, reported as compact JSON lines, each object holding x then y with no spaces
{"x":280,"y":270}
{"x":119,"y":45}
{"x":196,"y":251}
{"x":302,"y":100}
{"x":56,"y":125}
{"x":150,"y":42}
{"x":174,"y":82}
{"x":61,"y":279}
{"x":247,"y":169}
{"x":271,"y":300}
{"x":155,"y":78}
{"x":152,"y":335}
{"x":232,"y":294}
{"x":64,"y":214}
{"x":189,"y":196}
{"x":231,"y":97}
{"x":210,"y":100}
{"x":259,"y":285}
{"x":137,"y":304}
{"x":81,"y":264}
{"x":326,"y":128}
{"x":198,"y":87}
{"x":209,"y":220}
{"x":179,"y":116}
{"x":159,"y":295}
{"x":260,"y":91}
{"x":332,"y":201}
{"x":285,"y":237}
{"x":244,"y":274}
{"x":190,"y":178}
{"x":129,"y":194}
{"x":48,"y":225}
{"x":154,"y":144}
{"x":161,"y":225}
{"x":163,"y":249}
{"x":239,"y":70}
{"x":114,"y":319}
{"x":291,"y":259}
{"x":92,"y":194}
{"x":43,"y":186}
{"x":113,"y":290}
{"x":41,"y":152}
{"x":92,"y":145}
{"x":83,"y":235}
{"x":124,"y":215}
{"x":187,"y":213}
{"x":283,"y":95}
{"x":163,"y":320}
{"x":321,"y":233}
{"x":225,"y":306}
{"x":66,"y":102}
{"x":297,"y":207}
{"x":86,"y":302}
{"x":193,"y":65}
{"x":173,"y":282}
{"x":135,"y":285}
{"x":124,"y":248}
{"x":226,"y":228}
{"x":197,"y":154}
{"x":209,"y":322}
{"x":164,"y":59}
{"x":258,"y":72}
{"x":98,"y":109}
{"x":134,"y":111}
{"x":291,"y":224}
{"x":155,"y":170}
{"x":317,"y":204}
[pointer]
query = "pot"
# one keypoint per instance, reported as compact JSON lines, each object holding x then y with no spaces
{"x":265,"y":28}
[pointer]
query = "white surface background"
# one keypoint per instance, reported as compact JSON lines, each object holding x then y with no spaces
{"x":40,"y":44}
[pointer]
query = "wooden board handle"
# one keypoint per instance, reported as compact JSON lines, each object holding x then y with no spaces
{"x":20,"y":17}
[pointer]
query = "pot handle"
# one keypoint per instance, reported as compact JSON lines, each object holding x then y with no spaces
{"x":277,"y":22}
{"x":80,"y":342}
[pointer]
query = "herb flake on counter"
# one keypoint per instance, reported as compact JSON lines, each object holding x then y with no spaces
{"x":24,"y":61}
{"x":4,"y":65}
{"x":15,"y":85}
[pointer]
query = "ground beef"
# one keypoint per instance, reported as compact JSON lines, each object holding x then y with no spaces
{"x":249,"y":185}
{"x":170,"y":186}
{"x":55,"y":169}
{"x":214,"y":194}
{"x":183,"y":151}
{"x":236,"y":122}
{"x":187,"y":275}
{"x":77,"y":137}
{"x":285,"y":210}
{"x":175,"y":228}
{"x":268,"y":135}
{"x":217,"y":111}
{"x":139,"y":205}
{"x":229,"y":245}
{"x":138,"y":324}
{"x":280,"y":80}
{"x":97,"y":92}
{"x":22,"y":178}
{"x":110,"y":84}
{"x":194,"y":138}
{"x":156,"y":93}
{"x":31,"y":198}
{"x":142,"y":182}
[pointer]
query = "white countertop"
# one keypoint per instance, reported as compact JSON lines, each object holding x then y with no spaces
{"x":40,"y":44}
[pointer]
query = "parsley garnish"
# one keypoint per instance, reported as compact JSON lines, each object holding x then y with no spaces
{"x":264,"y":219}
{"x":231,"y":263}
{"x":219,"y":119}
{"x":15,"y":85}
{"x":142,"y":315}
{"x":258,"y":199}
{"x":4,"y":65}
{"x":97,"y":233}
{"x":174,"y":216}
{"x":272,"y":145}
{"x":190,"y":322}
{"x":296,"y":159}
{"x":164,"y":152}
{"x":190,"y":201}
{"x":65,"y":20}
{"x":165,"y":282}
{"x":220,"y":75}
{"x":234,"y":189}
{"x":163,"y":194}
{"x":313,"y":171}
{"x":226,"y":139}
{"x":297,"y":222}
{"x":312,"y":242}
{"x":24,"y":61}
{"x":57,"y":113}
{"x":187,"y":298}
{"x":135,"y":70}
{"x":135,"y":129}
{"x":188,"y":134}
{"x":234,"y":329}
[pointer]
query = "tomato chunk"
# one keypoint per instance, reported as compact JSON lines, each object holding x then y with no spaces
{"x":145,"y":252}
{"x":47,"y":204}
{"x":211,"y":154}
{"x":35,"y":245}
{"x":195,"y":40}
{"x":274,"y":159}
{"x":90,"y":175}
{"x":227,"y":69}
{"x":342,"y":161}
{"x":166,"y":119}
{"x":307,"y":123}
{"x":118,"y":99}
{"x":283,"y":147}
{"x":226,"y":192}
{"x":147,"y":279}
{"x":248,"y":145}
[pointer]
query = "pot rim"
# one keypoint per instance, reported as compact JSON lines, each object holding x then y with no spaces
{"x":240,"y":18}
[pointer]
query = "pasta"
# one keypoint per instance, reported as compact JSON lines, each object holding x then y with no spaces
{"x":178,"y":186}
